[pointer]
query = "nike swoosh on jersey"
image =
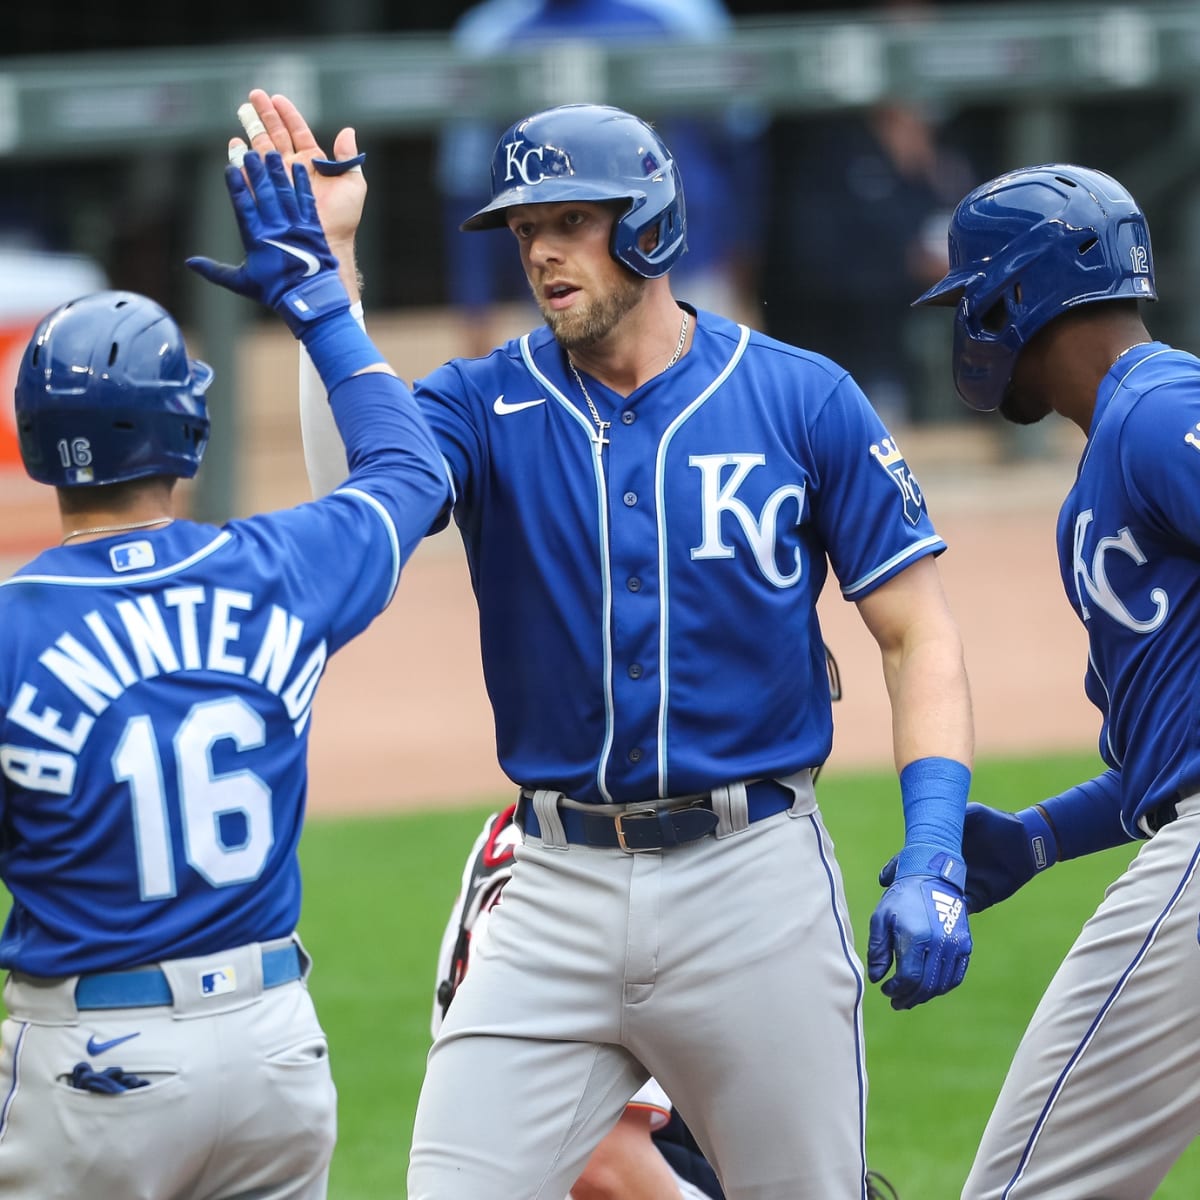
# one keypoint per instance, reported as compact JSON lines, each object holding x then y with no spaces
{"x":310,"y":261}
{"x":501,"y":406}
{"x":95,"y":1047}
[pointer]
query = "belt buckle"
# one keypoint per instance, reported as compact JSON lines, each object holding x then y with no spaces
{"x":619,"y":820}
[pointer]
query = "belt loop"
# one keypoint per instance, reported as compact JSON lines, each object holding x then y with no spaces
{"x":545,"y":808}
{"x":732,"y":809}
{"x":41,"y":1001}
{"x":801,"y":786}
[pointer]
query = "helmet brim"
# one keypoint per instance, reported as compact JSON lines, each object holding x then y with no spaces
{"x":492,"y":216}
{"x":947,"y":292}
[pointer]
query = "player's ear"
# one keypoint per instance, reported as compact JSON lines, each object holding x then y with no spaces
{"x":648,"y":242}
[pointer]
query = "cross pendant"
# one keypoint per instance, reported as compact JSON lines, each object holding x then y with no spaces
{"x":598,"y":438}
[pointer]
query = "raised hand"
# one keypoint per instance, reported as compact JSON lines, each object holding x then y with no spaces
{"x":274,"y":123}
{"x":288,"y":266}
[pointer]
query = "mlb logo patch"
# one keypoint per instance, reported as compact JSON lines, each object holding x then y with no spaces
{"x":132,"y":556}
{"x":218,"y":982}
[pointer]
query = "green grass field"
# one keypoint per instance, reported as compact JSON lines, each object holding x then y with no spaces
{"x":378,"y":889}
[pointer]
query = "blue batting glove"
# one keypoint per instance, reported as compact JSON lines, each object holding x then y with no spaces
{"x":920,"y":925}
{"x":289,"y":266}
{"x":1003,"y":852}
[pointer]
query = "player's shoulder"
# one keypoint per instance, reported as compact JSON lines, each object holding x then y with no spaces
{"x":1152,"y":399}
{"x":773,"y":357}
{"x":120,"y":562}
{"x":797,"y":357}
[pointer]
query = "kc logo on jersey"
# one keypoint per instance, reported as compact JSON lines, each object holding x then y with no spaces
{"x":1093,"y":584}
{"x":761,"y":532}
{"x":887,"y":454}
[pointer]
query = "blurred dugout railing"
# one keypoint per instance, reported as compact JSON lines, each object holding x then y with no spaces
{"x":1031,"y":59}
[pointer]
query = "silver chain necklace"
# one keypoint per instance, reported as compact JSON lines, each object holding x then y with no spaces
{"x":118,"y":528}
{"x":598,"y":438}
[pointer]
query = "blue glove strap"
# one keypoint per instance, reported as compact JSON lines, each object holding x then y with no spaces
{"x":338,"y":166}
{"x":339,"y":347}
{"x":311,"y":300}
{"x":934,"y":794}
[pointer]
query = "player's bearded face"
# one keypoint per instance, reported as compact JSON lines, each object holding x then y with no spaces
{"x":593,"y":318}
{"x":582,"y":291}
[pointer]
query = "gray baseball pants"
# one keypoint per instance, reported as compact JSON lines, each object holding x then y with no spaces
{"x":1103,"y":1093}
{"x":239,"y":1099}
{"x":724,"y":967}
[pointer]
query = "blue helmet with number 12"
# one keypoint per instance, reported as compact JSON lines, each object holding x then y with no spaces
{"x":1027,"y":247}
{"x":593,"y":152}
{"x":106,"y":392}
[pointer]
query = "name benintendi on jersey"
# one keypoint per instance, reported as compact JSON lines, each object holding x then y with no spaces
{"x":104,"y":653}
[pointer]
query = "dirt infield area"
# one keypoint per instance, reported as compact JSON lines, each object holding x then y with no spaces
{"x":402,"y":717}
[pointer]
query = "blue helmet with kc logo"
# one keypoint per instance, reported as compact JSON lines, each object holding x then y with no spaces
{"x":1027,"y":247}
{"x":106,"y":392}
{"x":594,"y":152}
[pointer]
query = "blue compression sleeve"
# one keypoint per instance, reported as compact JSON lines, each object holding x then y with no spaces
{"x":1087,"y":817}
{"x":934,"y":794}
{"x":339,"y":347}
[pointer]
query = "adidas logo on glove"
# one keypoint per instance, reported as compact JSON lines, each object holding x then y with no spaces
{"x":948,"y":908}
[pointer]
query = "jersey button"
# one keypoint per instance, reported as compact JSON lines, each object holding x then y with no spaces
{"x":633,"y":583}
{"x":628,"y":417}
{"x":635,"y":755}
{"x":630,"y":499}
{"x":635,"y":670}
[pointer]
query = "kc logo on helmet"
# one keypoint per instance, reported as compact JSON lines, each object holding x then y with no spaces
{"x":532,"y":164}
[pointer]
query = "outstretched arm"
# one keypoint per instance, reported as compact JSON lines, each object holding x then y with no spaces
{"x":1005,"y":850}
{"x":274,"y":123}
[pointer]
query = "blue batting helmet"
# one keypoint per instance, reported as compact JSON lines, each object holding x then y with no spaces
{"x":593,"y":152}
{"x":106,"y":392}
{"x":1024,"y":249}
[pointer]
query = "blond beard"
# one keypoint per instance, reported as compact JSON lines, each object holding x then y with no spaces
{"x":582,"y":326}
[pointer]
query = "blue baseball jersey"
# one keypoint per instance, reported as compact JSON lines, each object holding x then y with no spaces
{"x":156,"y":688}
{"x":1129,"y":548}
{"x":648,"y":611}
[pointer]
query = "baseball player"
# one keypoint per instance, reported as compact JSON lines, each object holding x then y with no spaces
{"x":156,"y":683}
{"x":650,"y":498}
{"x":1049,"y":264}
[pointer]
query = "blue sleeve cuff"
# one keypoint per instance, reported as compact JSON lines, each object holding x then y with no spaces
{"x":1087,"y":817}
{"x":339,"y":348}
{"x":934,"y":794}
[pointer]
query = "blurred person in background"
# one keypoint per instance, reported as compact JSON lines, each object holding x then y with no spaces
{"x":860,"y":205}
